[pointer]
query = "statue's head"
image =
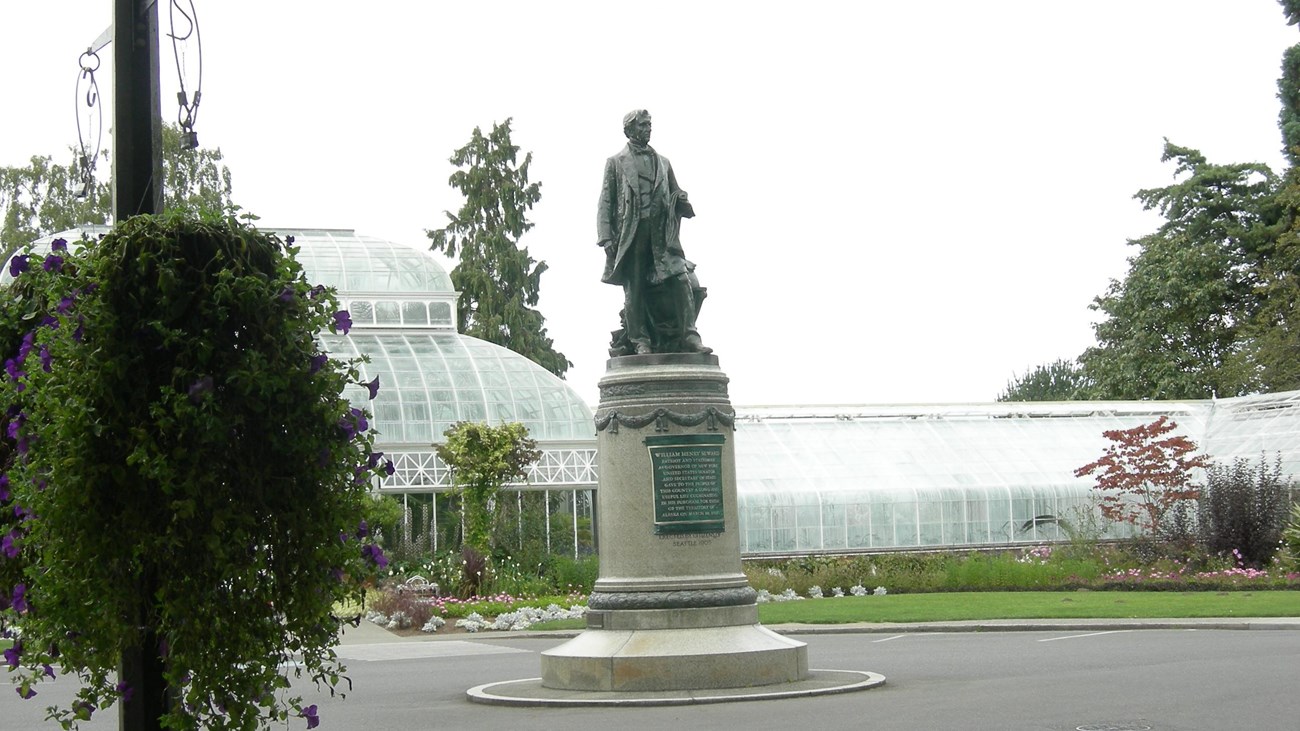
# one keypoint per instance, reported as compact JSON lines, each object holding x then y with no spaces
{"x":636,"y":125}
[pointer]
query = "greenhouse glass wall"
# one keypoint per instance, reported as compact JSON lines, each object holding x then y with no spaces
{"x":871,"y":478}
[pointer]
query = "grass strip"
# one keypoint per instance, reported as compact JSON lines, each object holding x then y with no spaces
{"x":957,"y":606}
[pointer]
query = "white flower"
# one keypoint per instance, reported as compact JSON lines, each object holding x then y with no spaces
{"x":434,"y":624}
{"x":473,"y":623}
{"x":880,"y":591}
{"x":815,"y":592}
{"x":837,"y":592}
{"x":858,"y":590}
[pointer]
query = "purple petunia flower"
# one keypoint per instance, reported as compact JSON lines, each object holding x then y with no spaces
{"x":25,"y":692}
{"x":53,"y":263}
{"x":51,"y":322}
{"x":20,"y":598}
{"x":342,"y":321}
{"x":4,"y":488}
{"x":286,"y":294}
{"x":318,"y":361}
{"x":374,"y":554}
{"x":9,"y":544}
{"x":13,"y":653}
{"x":15,"y":373}
{"x":25,"y":348}
{"x":309,"y":713}
{"x":47,"y":671}
{"x":47,"y":360}
{"x":126,"y":692}
{"x":79,"y":333}
{"x":389,"y":469}
{"x":59,"y":245}
{"x":363,"y":529}
{"x":65,"y":304}
{"x":18,"y":265}
{"x":353,"y":423}
{"x":373,"y":388}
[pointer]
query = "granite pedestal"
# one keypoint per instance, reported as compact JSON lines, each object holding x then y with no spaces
{"x":672,"y":609}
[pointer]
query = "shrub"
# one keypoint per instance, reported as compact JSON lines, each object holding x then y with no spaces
{"x":416,"y":609}
{"x":568,"y":575}
{"x":1291,"y":538}
{"x":1243,"y":507}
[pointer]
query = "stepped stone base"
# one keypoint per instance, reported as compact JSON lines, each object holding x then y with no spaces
{"x":674,"y":659}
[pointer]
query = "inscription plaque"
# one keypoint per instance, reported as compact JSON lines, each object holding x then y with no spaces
{"x":687,"y":476}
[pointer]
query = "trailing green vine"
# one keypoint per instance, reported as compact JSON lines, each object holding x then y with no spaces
{"x":179,"y":458}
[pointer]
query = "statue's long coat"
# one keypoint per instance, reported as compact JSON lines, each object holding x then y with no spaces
{"x":619,"y":212}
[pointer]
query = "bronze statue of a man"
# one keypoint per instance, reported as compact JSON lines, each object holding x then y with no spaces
{"x":641,"y":209}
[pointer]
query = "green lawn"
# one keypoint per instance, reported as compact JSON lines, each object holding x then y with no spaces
{"x":957,"y":606}
{"x":1033,"y":605}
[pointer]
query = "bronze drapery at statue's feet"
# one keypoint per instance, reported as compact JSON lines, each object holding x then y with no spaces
{"x":694,"y":345}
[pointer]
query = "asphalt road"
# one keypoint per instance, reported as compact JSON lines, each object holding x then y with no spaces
{"x":1163,"y":680}
{"x":1060,"y":680}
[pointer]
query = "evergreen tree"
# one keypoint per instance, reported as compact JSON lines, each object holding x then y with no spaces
{"x":1175,"y":327}
{"x":1275,"y":329}
{"x":498,"y":281}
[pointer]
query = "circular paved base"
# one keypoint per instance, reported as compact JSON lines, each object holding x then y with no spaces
{"x":531,"y":692}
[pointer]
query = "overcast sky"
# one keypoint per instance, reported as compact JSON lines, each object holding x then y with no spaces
{"x":896,"y":201}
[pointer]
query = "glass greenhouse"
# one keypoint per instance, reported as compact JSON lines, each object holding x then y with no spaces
{"x":809,"y":479}
{"x":872,"y":478}
{"x":403,"y":311}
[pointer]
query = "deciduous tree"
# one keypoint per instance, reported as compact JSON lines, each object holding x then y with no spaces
{"x":499,"y":283}
{"x":482,"y":460}
{"x":1060,"y":380}
{"x":1145,"y":472}
{"x":45,"y":197}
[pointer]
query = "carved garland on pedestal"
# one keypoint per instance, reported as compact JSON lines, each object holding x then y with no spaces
{"x":687,"y":599}
{"x":660,"y":418}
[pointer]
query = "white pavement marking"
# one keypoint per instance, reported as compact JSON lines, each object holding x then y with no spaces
{"x":1090,"y":634}
{"x":887,"y":639}
{"x":421,"y":650}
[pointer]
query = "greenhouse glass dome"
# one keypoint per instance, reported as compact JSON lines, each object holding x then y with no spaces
{"x":403,"y":311}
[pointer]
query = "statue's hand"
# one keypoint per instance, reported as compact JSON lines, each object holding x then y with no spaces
{"x":603,"y":244}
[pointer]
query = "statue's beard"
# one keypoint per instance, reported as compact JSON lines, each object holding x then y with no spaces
{"x":642,"y":140}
